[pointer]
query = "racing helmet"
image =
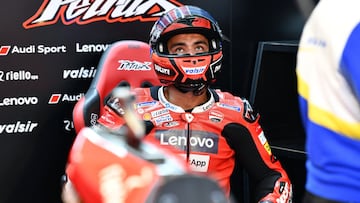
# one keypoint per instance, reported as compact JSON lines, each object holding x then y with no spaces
{"x":187,"y":72}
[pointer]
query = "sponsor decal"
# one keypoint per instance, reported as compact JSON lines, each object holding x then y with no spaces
{"x":18,"y":127}
{"x":90,"y":48}
{"x":56,"y":98}
{"x":18,"y":101}
{"x":227,"y":106}
{"x":162,"y":119}
{"x":200,"y":141}
{"x":216,"y":116}
{"x":316,"y":42}
{"x":171,"y":124}
{"x":188,"y":117}
{"x":145,"y":104}
{"x":216,"y":66}
{"x":199,"y":163}
{"x":4,"y":50}
{"x":159,"y":112}
{"x":140,"y":111}
{"x":82,"y":73}
{"x":68,"y":125}
{"x":21,"y":75}
{"x":284,"y":190}
{"x":39,"y":49}
{"x":162,"y":70}
{"x":267,"y":148}
{"x":208,"y":105}
{"x":147,"y":116}
{"x":85,"y":12}
{"x":93,"y":118}
{"x":194,"y":70}
{"x":134,"y":65}
{"x":264,"y":142}
{"x":249,"y":113}
{"x":262,"y":138}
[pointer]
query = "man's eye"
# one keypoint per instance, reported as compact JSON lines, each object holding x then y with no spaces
{"x":179,"y":51}
{"x":199,"y":49}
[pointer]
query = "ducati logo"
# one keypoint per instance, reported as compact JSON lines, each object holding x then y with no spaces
{"x":88,"y":11}
{"x":188,"y":117}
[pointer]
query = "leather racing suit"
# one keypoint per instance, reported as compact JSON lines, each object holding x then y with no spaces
{"x":212,"y":137}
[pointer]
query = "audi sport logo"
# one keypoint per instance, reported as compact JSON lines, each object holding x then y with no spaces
{"x":4,"y":50}
{"x":56,"y":98}
{"x":85,"y":12}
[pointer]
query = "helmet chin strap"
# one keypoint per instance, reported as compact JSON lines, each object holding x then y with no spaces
{"x":197,"y":90}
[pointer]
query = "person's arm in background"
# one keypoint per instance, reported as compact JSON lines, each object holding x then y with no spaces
{"x":350,"y":62}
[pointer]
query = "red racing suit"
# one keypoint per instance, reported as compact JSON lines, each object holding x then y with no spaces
{"x":212,"y":137}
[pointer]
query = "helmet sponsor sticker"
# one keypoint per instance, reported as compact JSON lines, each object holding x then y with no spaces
{"x":162,"y":70}
{"x":194,"y":70}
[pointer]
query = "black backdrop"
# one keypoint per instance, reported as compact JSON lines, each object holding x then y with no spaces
{"x":38,"y":90}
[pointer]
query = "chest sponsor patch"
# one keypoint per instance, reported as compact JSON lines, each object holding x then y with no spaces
{"x":161,"y":119}
{"x":159,"y":112}
{"x":171,"y":124}
{"x":216,"y":116}
{"x":198,"y":162}
{"x":199,"y":141}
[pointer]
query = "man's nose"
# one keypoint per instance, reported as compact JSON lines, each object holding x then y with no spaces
{"x":192,"y":52}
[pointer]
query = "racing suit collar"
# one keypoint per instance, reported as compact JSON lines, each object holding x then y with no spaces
{"x":198,"y":109}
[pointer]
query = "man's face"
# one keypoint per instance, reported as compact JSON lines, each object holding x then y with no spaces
{"x":191,"y":43}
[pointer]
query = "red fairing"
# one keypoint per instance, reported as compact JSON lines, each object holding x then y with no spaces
{"x":102,"y":171}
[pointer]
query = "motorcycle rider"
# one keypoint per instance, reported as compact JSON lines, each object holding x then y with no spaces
{"x":213,"y":130}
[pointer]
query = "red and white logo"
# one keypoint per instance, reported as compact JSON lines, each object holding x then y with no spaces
{"x":4,"y":50}
{"x":85,"y":12}
{"x":55,"y":98}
